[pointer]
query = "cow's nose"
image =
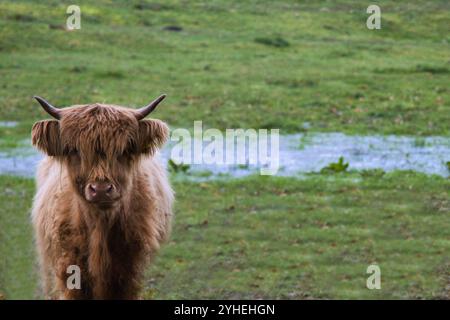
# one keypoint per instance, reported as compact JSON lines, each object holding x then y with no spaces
{"x":100,"y":191}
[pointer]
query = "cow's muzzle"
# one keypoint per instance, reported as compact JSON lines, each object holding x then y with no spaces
{"x":103,"y":193}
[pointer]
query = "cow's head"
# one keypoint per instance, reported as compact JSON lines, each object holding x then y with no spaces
{"x":100,"y":145}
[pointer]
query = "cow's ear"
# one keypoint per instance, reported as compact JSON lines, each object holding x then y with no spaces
{"x":152,"y":135}
{"x":45,"y":135}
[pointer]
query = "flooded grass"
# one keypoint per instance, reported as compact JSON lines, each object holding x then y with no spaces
{"x":8,"y":124}
{"x":299,"y":154}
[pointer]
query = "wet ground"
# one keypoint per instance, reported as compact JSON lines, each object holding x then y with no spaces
{"x":302,"y":153}
{"x":8,"y":124}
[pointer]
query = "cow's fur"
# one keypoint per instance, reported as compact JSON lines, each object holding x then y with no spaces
{"x":111,"y":245}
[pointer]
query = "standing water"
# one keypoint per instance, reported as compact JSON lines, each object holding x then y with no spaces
{"x":302,"y":153}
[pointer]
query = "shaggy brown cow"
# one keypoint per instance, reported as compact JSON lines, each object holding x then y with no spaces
{"x":103,"y":200}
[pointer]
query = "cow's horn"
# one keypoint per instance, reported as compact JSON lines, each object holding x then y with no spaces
{"x":145,"y":111}
{"x":51,"y":110}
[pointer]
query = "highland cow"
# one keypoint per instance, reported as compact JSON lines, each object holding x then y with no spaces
{"x":103,"y":200}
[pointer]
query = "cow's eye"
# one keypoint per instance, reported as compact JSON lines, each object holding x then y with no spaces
{"x":74,"y":154}
{"x":125,"y":157}
{"x":101,"y":154}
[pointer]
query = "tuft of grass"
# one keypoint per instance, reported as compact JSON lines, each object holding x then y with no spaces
{"x":278,"y":41}
{"x":151,"y":6}
{"x":417,"y":69}
{"x":111,"y":74}
{"x":173,"y":28}
{"x":372,"y":173}
{"x":419,"y":142}
{"x":78,"y":69}
{"x":432,"y":69}
{"x":22,"y":17}
{"x":336,"y":167}
{"x":178,"y":168}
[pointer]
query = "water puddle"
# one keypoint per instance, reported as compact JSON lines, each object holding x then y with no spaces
{"x":302,"y":153}
{"x":310,"y":153}
{"x":8,"y":124}
{"x":19,"y":162}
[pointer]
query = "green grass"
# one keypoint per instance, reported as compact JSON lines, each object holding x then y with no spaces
{"x":266,"y":237}
{"x":293,"y":65}
{"x":255,"y":64}
{"x":17,"y":264}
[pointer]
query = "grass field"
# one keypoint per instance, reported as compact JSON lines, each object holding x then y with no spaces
{"x":292,"y":65}
{"x":226,"y":66}
{"x":279,"y":238}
